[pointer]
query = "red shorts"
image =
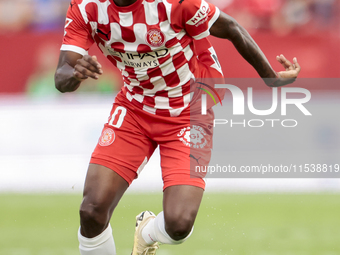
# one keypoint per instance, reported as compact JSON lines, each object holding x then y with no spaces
{"x":131,"y":135}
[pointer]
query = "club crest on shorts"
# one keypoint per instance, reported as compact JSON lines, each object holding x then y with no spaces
{"x":193,"y":136}
{"x":155,"y":37}
{"x":107,"y":138}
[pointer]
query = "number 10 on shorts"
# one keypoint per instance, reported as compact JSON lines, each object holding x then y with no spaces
{"x":117,"y":117}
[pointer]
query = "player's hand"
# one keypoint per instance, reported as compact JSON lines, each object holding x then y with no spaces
{"x":292,"y":69}
{"x":86,"y":67}
{"x":291,"y":73}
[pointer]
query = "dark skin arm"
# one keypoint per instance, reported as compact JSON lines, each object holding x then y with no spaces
{"x":74,"y":68}
{"x":227,"y":28}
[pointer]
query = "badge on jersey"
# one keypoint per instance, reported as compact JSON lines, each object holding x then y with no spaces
{"x":193,"y":137}
{"x":107,"y":138}
{"x":155,"y":37}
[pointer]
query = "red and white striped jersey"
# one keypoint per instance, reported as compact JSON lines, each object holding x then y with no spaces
{"x":155,"y":44}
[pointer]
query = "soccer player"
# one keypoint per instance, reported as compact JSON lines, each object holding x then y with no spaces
{"x":159,"y":46}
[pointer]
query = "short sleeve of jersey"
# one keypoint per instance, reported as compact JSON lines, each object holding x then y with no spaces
{"x":197,"y":17}
{"x":77,"y":36}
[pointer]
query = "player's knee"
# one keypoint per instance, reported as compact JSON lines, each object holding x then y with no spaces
{"x":179,"y":227}
{"x":93,"y":216}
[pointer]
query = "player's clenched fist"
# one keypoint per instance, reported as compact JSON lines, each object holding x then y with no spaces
{"x":86,"y":67}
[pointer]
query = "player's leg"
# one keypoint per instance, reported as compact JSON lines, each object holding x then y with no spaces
{"x":183,"y":187}
{"x":120,"y":155}
{"x":182,"y":147}
{"x":175,"y":224}
{"x":180,"y":205}
{"x":102,"y":192}
{"x":171,"y":226}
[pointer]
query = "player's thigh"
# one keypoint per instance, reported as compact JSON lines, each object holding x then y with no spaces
{"x":103,"y":188}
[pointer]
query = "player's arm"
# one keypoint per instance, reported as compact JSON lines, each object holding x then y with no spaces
{"x":75,"y":65}
{"x":228,"y":28}
{"x":73,"y":68}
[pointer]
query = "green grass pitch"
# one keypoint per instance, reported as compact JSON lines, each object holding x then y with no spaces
{"x":235,"y":224}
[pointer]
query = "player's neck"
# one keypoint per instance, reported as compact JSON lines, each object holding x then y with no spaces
{"x":122,"y":3}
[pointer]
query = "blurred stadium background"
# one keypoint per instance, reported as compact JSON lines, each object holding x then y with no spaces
{"x":46,"y":139}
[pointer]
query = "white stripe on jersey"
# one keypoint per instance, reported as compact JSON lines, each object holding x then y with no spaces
{"x":184,"y":74}
{"x":103,"y":16}
{"x":149,"y":109}
{"x":162,"y":103}
{"x":126,"y":19}
{"x":75,"y":49}
{"x":178,"y":111}
{"x":151,"y":13}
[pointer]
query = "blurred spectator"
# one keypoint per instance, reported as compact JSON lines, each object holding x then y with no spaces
{"x":278,"y":16}
{"x":286,"y":16}
{"x":49,"y":14}
{"x":324,"y":12}
{"x":293,"y":14}
{"x":221,"y":4}
{"x":41,"y":81}
{"x":18,"y":15}
{"x":254,"y":15}
{"x":15,"y":15}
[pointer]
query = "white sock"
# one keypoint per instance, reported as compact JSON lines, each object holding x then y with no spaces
{"x":154,"y":231}
{"x":102,"y":244}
